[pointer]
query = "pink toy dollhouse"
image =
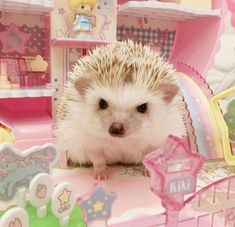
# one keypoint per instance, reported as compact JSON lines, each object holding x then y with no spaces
{"x":37,"y":51}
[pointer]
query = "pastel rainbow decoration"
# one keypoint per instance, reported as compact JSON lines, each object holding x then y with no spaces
{"x":205,"y":129}
{"x":228,"y":155}
{"x":18,"y":168}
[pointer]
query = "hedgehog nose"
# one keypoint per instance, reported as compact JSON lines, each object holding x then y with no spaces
{"x":117,"y":129}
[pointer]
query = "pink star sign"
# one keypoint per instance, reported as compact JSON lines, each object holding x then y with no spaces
{"x":173,"y":168}
{"x":13,"y":40}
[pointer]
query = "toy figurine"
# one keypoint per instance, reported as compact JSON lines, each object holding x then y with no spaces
{"x":82,"y":10}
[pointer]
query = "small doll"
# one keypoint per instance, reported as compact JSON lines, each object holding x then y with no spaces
{"x":82,"y":10}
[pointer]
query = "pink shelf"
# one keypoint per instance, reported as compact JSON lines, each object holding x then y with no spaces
{"x":164,"y":11}
{"x":38,"y":7}
{"x":76,"y":43}
{"x":27,"y":92}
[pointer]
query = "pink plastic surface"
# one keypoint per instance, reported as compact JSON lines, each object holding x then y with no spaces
{"x":76,"y":43}
{"x":197,"y":41}
{"x":173,"y":169}
{"x":30,"y":120}
{"x":231,"y":7}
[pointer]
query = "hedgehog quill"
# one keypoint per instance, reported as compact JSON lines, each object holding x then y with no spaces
{"x":120,"y":102}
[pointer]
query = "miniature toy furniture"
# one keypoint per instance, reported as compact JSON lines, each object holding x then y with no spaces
{"x":187,"y":195}
{"x":25,"y":90}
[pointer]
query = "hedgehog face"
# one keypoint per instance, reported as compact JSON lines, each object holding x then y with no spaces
{"x":122,"y":112}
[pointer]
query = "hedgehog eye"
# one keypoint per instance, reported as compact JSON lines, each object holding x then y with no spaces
{"x":82,"y":6}
{"x":103,"y":104}
{"x":142,"y":108}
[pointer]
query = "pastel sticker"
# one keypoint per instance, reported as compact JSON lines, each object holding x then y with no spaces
{"x":97,"y":204}
{"x":15,"y":217}
{"x":63,"y":200}
{"x":40,"y":190}
{"x":18,"y":168}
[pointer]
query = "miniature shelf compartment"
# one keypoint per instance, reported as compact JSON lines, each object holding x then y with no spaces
{"x":27,"y":92}
{"x":76,"y":43}
{"x":36,"y":7}
{"x":165,"y":11}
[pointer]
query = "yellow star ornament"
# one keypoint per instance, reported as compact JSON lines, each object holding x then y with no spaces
{"x":98,"y":206}
{"x":64,"y":197}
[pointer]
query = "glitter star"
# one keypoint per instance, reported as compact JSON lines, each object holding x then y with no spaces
{"x":64,"y":197}
{"x":13,"y":40}
{"x":98,"y":204}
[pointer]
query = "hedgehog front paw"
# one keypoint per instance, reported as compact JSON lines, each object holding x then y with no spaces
{"x":101,"y":173}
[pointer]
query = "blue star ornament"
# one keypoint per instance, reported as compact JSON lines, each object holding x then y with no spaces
{"x":98,"y":205}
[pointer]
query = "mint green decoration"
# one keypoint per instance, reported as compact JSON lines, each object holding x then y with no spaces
{"x":229,"y":117}
{"x":75,"y":219}
{"x":17,"y":169}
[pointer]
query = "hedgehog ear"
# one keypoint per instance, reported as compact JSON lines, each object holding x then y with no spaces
{"x":82,"y":84}
{"x":169,"y":90}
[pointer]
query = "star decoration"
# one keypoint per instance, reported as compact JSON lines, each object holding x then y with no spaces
{"x":64,"y":197}
{"x":61,"y":11}
{"x":173,"y":157}
{"x":13,"y":40}
{"x":98,"y":204}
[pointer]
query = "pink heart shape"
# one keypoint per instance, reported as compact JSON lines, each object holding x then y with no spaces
{"x":41,"y":191}
{"x":15,"y":223}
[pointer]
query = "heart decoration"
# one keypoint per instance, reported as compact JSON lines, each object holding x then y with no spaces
{"x":15,"y":223}
{"x":41,"y":191}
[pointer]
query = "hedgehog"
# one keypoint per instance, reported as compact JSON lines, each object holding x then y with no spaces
{"x":119,"y":103}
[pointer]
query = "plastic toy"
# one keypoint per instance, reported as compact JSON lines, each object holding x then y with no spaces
{"x":97,"y":205}
{"x":28,"y":111}
{"x":82,"y":9}
{"x":205,"y":4}
{"x":40,"y":192}
{"x":18,"y":169}
{"x":13,"y":40}
{"x":173,"y":169}
{"x":15,"y":217}
{"x":63,"y":201}
{"x":226,"y":124}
